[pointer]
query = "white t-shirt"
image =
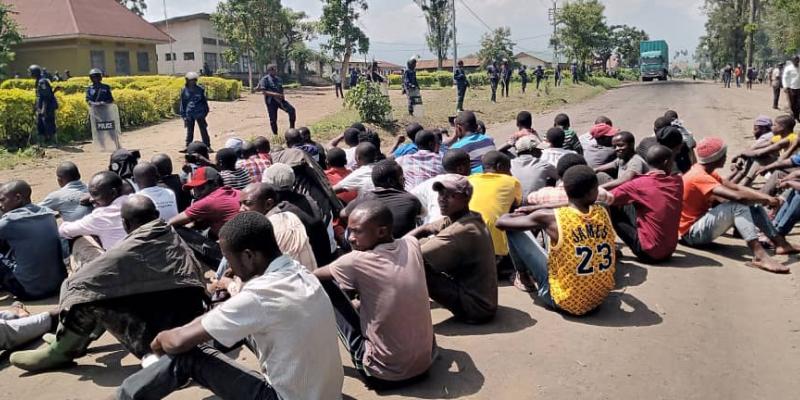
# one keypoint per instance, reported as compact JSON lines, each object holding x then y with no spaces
{"x":359,"y":180}
{"x":292,"y":238}
{"x":164,"y":199}
{"x":429,"y":199}
{"x":350,"y":154}
{"x":290,"y":318}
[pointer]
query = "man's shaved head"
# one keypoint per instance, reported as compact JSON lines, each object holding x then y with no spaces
{"x":138,"y":210}
{"x":14,"y":194}
{"x":68,"y":172}
{"x":104,"y":188}
{"x":18,"y":187}
{"x":659,"y":157}
{"x":163,"y":164}
{"x":248,"y":150}
{"x":145,"y":175}
{"x":293,"y":137}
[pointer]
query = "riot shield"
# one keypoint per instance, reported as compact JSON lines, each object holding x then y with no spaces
{"x":104,"y":119}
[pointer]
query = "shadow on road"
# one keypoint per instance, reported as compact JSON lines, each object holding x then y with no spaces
{"x":452,"y":375}
{"x":507,"y":320}
{"x":686,"y":257}
{"x":629,"y":274}
{"x":619,"y":310}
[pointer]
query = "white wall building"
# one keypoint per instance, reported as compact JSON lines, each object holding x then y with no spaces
{"x":196,"y":45}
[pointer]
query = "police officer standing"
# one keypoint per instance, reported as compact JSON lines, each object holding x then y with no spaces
{"x":410,"y":85}
{"x":539,"y":74}
{"x":494,"y":78}
{"x":194,"y":108}
{"x":272,"y":88}
{"x":462,"y":83}
{"x":98,"y":92}
{"x":45,"y":106}
{"x":505,"y":76}
{"x":523,"y":77}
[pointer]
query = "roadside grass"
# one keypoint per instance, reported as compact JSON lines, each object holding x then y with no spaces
{"x":10,"y":159}
{"x":440,"y":104}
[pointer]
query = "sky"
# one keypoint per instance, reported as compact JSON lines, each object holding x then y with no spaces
{"x":396,"y":28}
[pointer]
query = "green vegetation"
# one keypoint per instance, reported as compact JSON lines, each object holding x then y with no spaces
{"x":371,"y":104}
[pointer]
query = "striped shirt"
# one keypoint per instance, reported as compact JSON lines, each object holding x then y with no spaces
{"x":420,"y":166}
{"x":255,"y":166}
{"x":237,"y":179}
{"x":476,"y":145}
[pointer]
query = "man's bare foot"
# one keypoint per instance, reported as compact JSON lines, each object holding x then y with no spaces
{"x":20,"y":309}
{"x":769,"y":265}
{"x":788,"y":248}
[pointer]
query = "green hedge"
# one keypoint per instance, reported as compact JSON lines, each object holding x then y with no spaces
{"x":141,"y":100}
{"x":426,"y":79}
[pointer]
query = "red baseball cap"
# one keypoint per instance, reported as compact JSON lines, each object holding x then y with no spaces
{"x":201,"y":176}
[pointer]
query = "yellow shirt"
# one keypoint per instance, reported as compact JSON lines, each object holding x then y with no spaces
{"x":492,"y":196}
{"x":581,"y":265}
{"x":777,"y":138}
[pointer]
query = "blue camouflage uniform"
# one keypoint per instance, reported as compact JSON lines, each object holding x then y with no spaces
{"x":274,"y":84}
{"x":410,"y":84}
{"x":99,"y":93}
{"x":523,"y":77}
{"x":494,"y":78}
{"x":462,"y":83}
{"x":194,"y":108}
{"x":46,"y":106}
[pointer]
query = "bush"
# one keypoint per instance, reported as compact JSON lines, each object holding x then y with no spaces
{"x":72,"y":117}
{"x":395,"y":79}
{"x":16,"y":116}
{"x":370,"y":103}
{"x":136,"y":108}
{"x":478,"y":79}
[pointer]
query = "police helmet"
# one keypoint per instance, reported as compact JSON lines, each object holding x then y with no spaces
{"x":411,"y":63}
{"x":95,"y":71}
{"x":35,"y":70}
{"x":192,"y":76}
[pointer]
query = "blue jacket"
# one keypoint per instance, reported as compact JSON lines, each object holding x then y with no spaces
{"x":45,"y":98}
{"x":99,"y":93}
{"x":410,"y":79}
{"x":460,"y":78}
{"x":194,"y":103}
{"x":273,"y":84}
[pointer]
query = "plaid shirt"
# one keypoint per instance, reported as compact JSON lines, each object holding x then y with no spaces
{"x":255,"y":166}
{"x":557,"y":195}
{"x":420,"y":166}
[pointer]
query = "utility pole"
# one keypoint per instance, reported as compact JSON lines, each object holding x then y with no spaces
{"x":166,"y":25}
{"x":552,"y":15}
{"x":455,"y":42}
{"x":751,"y":33}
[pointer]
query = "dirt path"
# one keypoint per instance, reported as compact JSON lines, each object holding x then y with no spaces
{"x":703,"y":326}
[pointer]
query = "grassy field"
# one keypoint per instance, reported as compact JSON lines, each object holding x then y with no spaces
{"x":440,"y":104}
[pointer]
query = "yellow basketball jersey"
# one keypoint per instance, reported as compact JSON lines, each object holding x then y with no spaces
{"x":581,"y":265}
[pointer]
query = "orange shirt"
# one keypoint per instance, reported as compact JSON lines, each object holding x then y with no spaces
{"x":336,"y":174}
{"x":697,"y":187}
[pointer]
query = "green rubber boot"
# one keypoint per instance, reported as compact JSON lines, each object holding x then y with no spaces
{"x":59,"y":353}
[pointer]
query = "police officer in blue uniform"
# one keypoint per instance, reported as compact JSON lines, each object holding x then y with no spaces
{"x":98,"y":92}
{"x":194,"y":108}
{"x":45,"y":106}
{"x":494,"y":78}
{"x":462,"y":83}
{"x":272,"y":88}
{"x":505,"y":78}
{"x":410,"y":85}
{"x":539,"y":74}
{"x":523,"y":77}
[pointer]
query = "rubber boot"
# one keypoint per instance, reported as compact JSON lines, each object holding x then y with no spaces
{"x":49,"y":338}
{"x":67,"y":346}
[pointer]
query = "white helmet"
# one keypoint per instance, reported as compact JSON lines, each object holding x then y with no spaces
{"x":192,"y":76}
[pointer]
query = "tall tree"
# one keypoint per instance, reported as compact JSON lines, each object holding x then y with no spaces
{"x":582,"y":29}
{"x":9,"y":36}
{"x":297,"y":30}
{"x":137,"y":6}
{"x":496,"y":46}
{"x":439,"y":16}
{"x":338,"y":22}
{"x":626,"y":40}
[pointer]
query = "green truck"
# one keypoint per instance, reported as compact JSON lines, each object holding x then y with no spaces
{"x":653,"y":60}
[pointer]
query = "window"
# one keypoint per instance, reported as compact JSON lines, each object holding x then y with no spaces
{"x":122,"y":61}
{"x":168,"y":57}
{"x":188,"y":56}
{"x":143,"y":61}
{"x":210,"y":62}
{"x":221,"y":42}
{"x":210,"y":41}
{"x":97,"y":59}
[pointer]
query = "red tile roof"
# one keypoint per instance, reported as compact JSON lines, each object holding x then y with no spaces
{"x":469,"y":62}
{"x":52,"y":19}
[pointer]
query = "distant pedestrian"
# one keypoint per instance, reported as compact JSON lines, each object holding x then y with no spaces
{"x":494,"y":79}
{"x":462,"y":83}
{"x":272,"y":88}
{"x":523,"y":77}
{"x":539,"y":74}
{"x":194,"y":108}
{"x":558,"y":76}
{"x":752,"y":75}
{"x":574,"y":71}
{"x":776,"y":81}
{"x":727,"y":74}
{"x":353,"y":78}
{"x":739,"y":74}
{"x":791,"y":82}
{"x":337,"y":83}
{"x":46,"y":105}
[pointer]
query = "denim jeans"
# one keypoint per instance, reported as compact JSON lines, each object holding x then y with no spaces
{"x":528,"y":256}
{"x":788,"y":214}
{"x":204,"y":365}
{"x":748,"y":220}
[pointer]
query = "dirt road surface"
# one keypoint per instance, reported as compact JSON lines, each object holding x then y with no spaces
{"x":703,"y":326}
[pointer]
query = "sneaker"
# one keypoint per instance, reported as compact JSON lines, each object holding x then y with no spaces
{"x":523,"y":282}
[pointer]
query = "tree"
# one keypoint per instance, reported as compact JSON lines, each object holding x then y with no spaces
{"x":137,"y":6}
{"x":496,"y":46}
{"x":9,"y":37}
{"x":439,"y":16}
{"x":338,"y":22}
{"x":582,"y":29}
{"x":626,"y":41}
{"x":297,"y":29}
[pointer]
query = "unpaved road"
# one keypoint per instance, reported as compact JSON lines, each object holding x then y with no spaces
{"x":703,"y":326}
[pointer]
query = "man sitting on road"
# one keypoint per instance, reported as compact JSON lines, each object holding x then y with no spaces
{"x":656,"y":199}
{"x":214,"y":204}
{"x":701,"y":224}
{"x":31,"y":263}
{"x":468,"y":138}
{"x":745,"y":168}
{"x":557,"y":195}
{"x":151,"y":269}
{"x":262,"y":148}
{"x":67,"y":201}
{"x":337,"y":160}
{"x":425,"y":163}
{"x":403,"y":149}
{"x":627,"y":165}
{"x":578,"y":272}
{"x":454,"y":162}
{"x":168,"y":180}
{"x":553,"y":150}
{"x":146,"y":177}
{"x":571,"y":141}
{"x":232,"y":176}
{"x":361,"y":178}
{"x":251,"y":162}
{"x":533,"y":172}
{"x":406,"y":209}
{"x":281,"y":311}
{"x":783,"y":138}
{"x":596,"y":143}
{"x":390,"y":336}
{"x":459,"y":259}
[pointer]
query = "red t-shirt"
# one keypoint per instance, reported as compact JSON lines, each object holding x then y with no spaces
{"x":657,"y":198}
{"x":215,"y":210}
{"x":697,"y":187}
{"x":336,"y":174}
